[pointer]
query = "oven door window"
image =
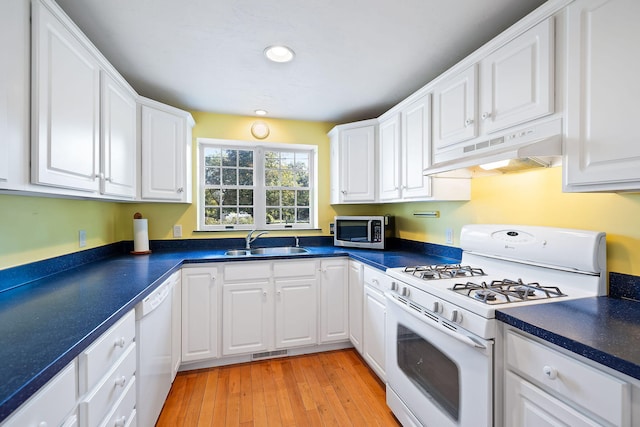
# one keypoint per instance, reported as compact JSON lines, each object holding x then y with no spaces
{"x":430,"y":370}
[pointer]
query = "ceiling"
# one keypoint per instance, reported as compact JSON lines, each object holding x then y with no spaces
{"x":354,"y":58}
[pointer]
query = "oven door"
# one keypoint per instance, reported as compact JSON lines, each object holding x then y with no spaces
{"x":443,"y":379}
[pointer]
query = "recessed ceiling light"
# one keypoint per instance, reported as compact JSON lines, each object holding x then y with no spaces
{"x":260,"y":112}
{"x":279,"y":53}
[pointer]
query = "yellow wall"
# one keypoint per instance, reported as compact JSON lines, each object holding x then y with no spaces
{"x":534,"y":197}
{"x":34,"y":228}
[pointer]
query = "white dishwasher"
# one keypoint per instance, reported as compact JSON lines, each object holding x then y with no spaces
{"x":153,"y":332}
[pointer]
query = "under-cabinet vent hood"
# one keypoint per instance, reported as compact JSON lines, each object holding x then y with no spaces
{"x":534,"y":146}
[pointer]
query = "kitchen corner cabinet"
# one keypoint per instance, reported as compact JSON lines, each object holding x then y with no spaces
{"x":353,"y":162}
{"x":355,"y":304}
{"x":200,"y":313}
{"x":511,"y":85}
{"x":545,"y":386}
{"x":166,"y":152}
{"x":334,"y":300}
{"x":602,"y":146}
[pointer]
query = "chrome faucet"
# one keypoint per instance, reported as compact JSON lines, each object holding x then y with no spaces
{"x":249,"y":240}
{"x":297,"y":241}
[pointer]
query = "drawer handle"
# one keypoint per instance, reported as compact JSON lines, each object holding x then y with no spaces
{"x":121,"y":421}
{"x":550,"y":372}
{"x":120,"y":342}
{"x":120,"y":382}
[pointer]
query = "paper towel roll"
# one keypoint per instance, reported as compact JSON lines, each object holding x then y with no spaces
{"x":140,"y":236}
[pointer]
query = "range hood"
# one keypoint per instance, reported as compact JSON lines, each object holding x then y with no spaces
{"x":533,"y":146}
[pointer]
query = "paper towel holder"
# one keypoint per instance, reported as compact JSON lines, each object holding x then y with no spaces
{"x":140,"y":235}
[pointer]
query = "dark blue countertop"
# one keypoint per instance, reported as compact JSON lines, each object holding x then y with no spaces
{"x":603,"y":329}
{"x":48,"y":317}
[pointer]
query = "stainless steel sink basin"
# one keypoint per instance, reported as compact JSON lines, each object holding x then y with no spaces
{"x":279,"y":250}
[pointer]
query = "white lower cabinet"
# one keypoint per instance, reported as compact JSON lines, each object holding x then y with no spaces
{"x":334,"y":300}
{"x":200,"y":313}
{"x":52,"y":405}
{"x":374,"y":320}
{"x":296,"y":312}
{"x":546,"y":387}
{"x":355,"y":304}
{"x":176,"y":324}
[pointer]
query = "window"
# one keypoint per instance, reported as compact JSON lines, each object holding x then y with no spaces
{"x":244,"y":186}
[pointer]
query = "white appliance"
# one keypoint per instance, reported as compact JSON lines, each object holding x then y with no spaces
{"x":153,"y":332}
{"x":441,"y":325}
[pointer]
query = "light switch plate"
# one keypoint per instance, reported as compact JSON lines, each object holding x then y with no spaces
{"x":449,"y":235}
{"x":177,"y":230}
{"x":82,"y":238}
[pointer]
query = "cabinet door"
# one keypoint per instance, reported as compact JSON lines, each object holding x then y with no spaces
{"x":529,"y":406}
{"x":176,"y":325}
{"x":200,"y":313}
{"x":65,"y":108}
{"x":334,"y":301}
{"x":163,"y":155}
{"x":247,"y":316}
{"x":454,"y":109}
{"x":516,"y":81}
{"x":389,"y":170}
{"x":295,"y":312}
{"x":355,"y":304}
{"x":602,"y":145}
{"x":373,"y":330}
{"x":119,"y":153}
{"x":416,"y":148}
{"x":357,"y":165}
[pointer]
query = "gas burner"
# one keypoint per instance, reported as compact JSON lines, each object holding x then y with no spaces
{"x":485,"y":295}
{"x":443,"y":271}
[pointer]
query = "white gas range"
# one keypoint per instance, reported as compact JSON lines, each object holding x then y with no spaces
{"x":441,"y":322}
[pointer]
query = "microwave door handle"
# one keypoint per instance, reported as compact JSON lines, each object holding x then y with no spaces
{"x":369,"y":231}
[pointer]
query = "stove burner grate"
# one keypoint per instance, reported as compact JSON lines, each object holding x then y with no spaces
{"x":505,"y":291}
{"x":443,"y":271}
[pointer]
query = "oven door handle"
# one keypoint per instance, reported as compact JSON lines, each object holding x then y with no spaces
{"x":439,"y":326}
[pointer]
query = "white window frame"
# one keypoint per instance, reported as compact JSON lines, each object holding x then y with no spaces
{"x":259,"y":195}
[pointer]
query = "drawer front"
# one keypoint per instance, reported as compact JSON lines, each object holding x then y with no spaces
{"x":247,"y":271}
{"x":123,"y":414}
{"x":103,"y":397}
{"x":597,"y":392}
{"x":376,"y":278}
{"x":98,"y":358}
{"x":295,"y":269}
{"x":49,"y":406}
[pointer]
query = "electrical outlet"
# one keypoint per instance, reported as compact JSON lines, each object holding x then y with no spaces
{"x":449,"y":235}
{"x":177,"y":230}
{"x":82,"y":238}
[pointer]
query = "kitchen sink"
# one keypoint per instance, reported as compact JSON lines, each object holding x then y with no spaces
{"x":278,"y":250}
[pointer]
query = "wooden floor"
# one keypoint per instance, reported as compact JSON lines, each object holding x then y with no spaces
{"x":325,"y":389}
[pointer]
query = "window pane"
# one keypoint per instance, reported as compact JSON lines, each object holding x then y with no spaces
{"x":229,"y":158}
{"x":245,"y":177}
{"x":211,"y":197}
{"x":245,"y":216}
{"x":271,"y":178}
{"x":229,"y":197}
{"x":287,"y":178}
{"x":246,"y":198}
{"x":212,"y":156}
{"x":212,"y":176}
{"x":288,"y":198}
{"x":229,"y":176}
{"x":273,"y":216}
{"x":212,"y":216}
{"x":286,"y":160}
{"x":229,"y":215}
{"x":303,"y":198}
{"x":271,"y":160}
{"x":303,"y":215}
{"x":302,"y":177}
{"x":245,"y":159}
{"x":273,"y":198}
{"x":289,"y":215}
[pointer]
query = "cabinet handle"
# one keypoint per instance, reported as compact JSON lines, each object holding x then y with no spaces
{"x":468,"y":122}
{"x":120,"y":382}
{"x":120,"y":421}
{"x":550,"y":372}
{"x":120,"y":342}
{"x":180,"y":190}
{"x":344,"y":191}
{"x":486,"y":115}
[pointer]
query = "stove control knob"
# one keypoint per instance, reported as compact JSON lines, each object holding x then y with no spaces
{"x":405,"y":292}
{"x":456,"y":316}
{"x":437,"y":307}
{"x":394,"y":286}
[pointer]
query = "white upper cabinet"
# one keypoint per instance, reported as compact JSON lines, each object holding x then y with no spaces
{"x":516,"y":81}
{"x":119,"y":147}
{"x":14,"y":93}
{"x":416,"y":148}
{"x":65,"y":105}
{"x":602,"y":144}
{"x":166,"y":152}
{"x":389,"y":144}
{"x":454,"y":107}
{"x":353,"y":158}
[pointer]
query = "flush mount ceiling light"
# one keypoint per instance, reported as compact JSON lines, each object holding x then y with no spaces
{"x":259,"y":129}
{"x":260,"y":112}
{"x":279,"y":53}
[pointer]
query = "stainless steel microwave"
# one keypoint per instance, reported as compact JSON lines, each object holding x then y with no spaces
{"x":369,"y":232}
